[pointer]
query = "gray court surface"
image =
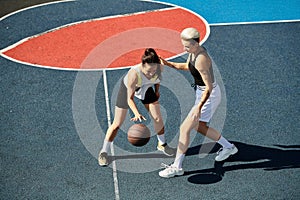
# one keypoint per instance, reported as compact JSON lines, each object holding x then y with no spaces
{"x":43,"y":157}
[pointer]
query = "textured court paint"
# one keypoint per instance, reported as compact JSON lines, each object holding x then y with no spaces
{"x":69,"y":46}
{"x":39,"y":133}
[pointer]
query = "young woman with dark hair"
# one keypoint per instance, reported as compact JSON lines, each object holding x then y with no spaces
{"x":139,"y":83}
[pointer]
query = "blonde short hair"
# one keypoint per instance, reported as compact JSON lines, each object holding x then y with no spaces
{"x":190,"y":34}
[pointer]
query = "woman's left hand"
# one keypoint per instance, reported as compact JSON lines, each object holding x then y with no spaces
{"x":138,"y":117}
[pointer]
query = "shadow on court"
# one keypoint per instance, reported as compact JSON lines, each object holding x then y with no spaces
{"x":254,"y":156}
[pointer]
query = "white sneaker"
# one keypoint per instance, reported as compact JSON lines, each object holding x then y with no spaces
{"x":170,"y":171}
{"x":223,"y":154}
{"x":166,"y":149}
{"x":103,"y":159}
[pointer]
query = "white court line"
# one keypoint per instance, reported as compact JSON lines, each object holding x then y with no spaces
{"x":114,"y":166}
{"x":255,"y":22}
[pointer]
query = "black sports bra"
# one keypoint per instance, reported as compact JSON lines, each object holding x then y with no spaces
{"x":195,"y":73}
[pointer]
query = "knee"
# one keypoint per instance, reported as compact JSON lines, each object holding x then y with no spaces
{"x":115,"y":127}
{"x":202,"y":128}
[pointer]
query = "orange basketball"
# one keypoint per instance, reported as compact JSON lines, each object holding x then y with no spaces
{"x":138,"y":135}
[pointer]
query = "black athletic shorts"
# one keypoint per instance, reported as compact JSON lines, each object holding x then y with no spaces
{"x":150,"y":96}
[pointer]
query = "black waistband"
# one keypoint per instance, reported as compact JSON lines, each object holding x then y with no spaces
{"x":202,"y":87}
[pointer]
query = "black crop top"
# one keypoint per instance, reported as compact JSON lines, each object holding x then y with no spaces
{"x":195,"y":73}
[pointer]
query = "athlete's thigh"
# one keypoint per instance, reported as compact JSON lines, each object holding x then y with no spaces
{"x":120,"y":115}
{"x":154,"y":110}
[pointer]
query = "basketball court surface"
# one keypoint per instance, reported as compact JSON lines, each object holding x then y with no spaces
{"x":61,"y":65}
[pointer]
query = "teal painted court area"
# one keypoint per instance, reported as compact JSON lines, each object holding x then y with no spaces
{"x":231,"y":11}
{"x":44,"y":155}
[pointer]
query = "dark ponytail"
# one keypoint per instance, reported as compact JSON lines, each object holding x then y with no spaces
{"x":150,"y":56}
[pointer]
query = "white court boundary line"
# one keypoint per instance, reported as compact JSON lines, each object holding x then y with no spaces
{"x":255,"y":22}
{"x":115,"y":175}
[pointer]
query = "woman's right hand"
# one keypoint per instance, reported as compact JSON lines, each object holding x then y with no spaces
{"x":138,"y":117}
{"x":167,"y":63}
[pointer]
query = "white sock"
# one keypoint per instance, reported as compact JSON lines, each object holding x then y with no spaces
{"x":178,"y":160}
{"x":106,"y":146}
{"x":161,"y":139}
{"x":225,"y":144}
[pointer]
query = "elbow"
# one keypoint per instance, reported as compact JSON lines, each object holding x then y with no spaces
{"x":129,"y":101}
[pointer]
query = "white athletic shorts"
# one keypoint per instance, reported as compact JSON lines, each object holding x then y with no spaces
{"x":211,"y":104}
